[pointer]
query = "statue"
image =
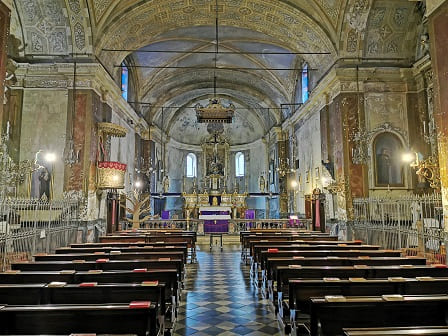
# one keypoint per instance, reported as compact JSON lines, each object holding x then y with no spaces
{"x":215,"y":201}
{"x":262,"y":183}
{"x":166,"y":184}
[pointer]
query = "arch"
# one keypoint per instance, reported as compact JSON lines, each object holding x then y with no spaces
{"x":191,"y":165}
{"x":239,"y":164}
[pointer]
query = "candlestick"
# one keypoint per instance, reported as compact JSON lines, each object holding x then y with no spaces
{"x":424,"y":127}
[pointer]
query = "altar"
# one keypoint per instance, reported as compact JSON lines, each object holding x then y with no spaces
{"x":211,"y":201}
{"x":216,"y":218}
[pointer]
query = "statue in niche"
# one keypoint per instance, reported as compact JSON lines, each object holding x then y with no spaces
{"x":41,"y":179}
{"x":388,"y":165}
{"x":166,"y":184}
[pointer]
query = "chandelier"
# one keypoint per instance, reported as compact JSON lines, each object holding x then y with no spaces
{"x":215,"y":112}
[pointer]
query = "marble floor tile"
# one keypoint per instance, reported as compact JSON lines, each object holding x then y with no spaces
{"x":219,"y":299}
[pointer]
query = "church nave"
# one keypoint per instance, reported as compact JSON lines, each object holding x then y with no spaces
{"x":219,"y":299}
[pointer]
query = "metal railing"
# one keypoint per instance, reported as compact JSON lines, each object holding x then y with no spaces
{"x":411,"y":223}
{"x":30,"y":226}
{"x":235,"y":225}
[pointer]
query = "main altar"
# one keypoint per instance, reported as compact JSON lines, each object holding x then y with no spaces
{"x":214,"y":203}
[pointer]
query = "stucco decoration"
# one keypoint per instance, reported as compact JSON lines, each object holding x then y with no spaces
{"x":288,"y":25}
{"x":79,"y":24}
{"x":45,"y":26}
{"x":391,"y":29}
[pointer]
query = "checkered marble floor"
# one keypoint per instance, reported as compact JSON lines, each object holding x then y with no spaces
{"x":218,"y":298}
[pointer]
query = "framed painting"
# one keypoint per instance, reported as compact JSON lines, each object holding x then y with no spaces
{"x":389,"y":167}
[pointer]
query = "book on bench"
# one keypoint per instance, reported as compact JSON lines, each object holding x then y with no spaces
{"x":55,"y":284}
{"x":150,"y":283}
{"x":392,"y":297}
{"x":335,"y":298}
{"x":357,"y":279}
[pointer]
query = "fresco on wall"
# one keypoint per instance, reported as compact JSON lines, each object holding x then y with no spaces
{"x":388,"y":164}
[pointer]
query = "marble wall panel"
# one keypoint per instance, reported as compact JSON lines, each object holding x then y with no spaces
{"x":44,"y":123}
{"x":385,"y":107}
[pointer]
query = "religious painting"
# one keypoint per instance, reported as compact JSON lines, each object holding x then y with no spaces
{"x":389,"y":167}
{"x":41,"y":179}
{"x":215,"y":160}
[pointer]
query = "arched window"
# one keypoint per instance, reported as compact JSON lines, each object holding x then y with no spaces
{"x":305,"y":83}
{"x":124,"y":81}
{"x":191,"y":165}
{"x":239,"y":164}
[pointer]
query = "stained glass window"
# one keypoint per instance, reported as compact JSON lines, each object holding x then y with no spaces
{"x":124,"y":81}
{"x":305,"y":83}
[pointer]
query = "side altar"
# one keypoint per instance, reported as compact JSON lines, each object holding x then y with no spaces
{"x":213,"y":203}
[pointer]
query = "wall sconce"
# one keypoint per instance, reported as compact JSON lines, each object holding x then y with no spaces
{"x":428,"y":168}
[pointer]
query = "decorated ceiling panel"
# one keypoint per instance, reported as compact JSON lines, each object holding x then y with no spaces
{"x":250,"y":31}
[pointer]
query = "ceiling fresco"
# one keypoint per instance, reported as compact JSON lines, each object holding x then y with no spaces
{"x":258,"y":83}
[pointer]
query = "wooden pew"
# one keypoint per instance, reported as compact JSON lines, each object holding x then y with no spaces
{"x":256,"y":248}
{"x":301,"y":290}
{"x":304,"y":246}
{"x":273,"y":263}
{"x":167,"y":276}
{"x":356,"y":312}
{"x":160,"y":243}
{"x":189,"y":243}
{"x":111,"y":256}
{"x":101,"y":264}
{"x":89,"y":293}
{"x":65,"y":319}
{"x":336,"y":252}
{"x":398,"y":331}
{"x":123,"y":250}
{"x":287,"y":273}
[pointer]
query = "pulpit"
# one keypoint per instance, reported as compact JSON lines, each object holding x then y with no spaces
{"x":216,"y":218}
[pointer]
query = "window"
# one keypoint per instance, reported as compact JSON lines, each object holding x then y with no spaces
{"x":239,"y":164}
{"x":124,"y":81}
{"x":191,"y":165}
{"x":305,"y":83}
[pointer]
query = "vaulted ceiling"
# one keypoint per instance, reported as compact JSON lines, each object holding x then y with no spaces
{"x":255,"y":38}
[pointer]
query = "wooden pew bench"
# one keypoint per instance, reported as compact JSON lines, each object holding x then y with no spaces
{"x":301,"y":291}
{"x":117,"y":255}
{"x":102,"y":264}
{"x":167,"y":276}
{"x":403,"y":331}
{"x":125,"y":251}
{"x":264,"y":255}
{"x":191,"y":246}
{"x":88,"y":293}
{"x":273,"y":263}
{"x":329,"y":318}
{"x":257,"y":248}
{"x":64,"y":319}
{"x":279,"y":290}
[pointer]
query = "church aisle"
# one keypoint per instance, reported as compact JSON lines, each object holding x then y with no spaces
{"x":218,"y":298}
